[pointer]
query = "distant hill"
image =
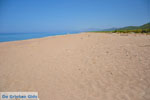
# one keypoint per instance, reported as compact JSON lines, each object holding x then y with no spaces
{"x":92,"y":29}
{"x":136,"y":29}
{"x":110,"y":29}
{"x":145,"y":26}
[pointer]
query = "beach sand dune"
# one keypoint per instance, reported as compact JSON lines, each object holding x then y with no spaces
{"x":86,"y":66}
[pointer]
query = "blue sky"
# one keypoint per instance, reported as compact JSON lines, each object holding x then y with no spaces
{"x":70,"y":15}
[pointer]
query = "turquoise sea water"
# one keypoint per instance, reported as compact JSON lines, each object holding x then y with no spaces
{"x":5,"y":37}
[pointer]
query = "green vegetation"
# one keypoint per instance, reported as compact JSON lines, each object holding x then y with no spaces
{"x":135,"y":29}
{"x":131,"y":29}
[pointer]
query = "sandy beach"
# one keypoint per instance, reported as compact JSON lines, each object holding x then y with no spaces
{"x":86,"y":66}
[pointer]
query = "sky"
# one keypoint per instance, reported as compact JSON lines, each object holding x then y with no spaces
{"x":26,"y":16}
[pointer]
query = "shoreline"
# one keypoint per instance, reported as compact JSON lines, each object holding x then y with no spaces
{"x":135,"y":34}
{"x":34,"y":37}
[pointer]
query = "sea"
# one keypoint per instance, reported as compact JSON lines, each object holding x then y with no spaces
{"x":5,"y":37}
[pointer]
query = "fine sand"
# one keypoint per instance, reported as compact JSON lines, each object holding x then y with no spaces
{"x":86,"y":66}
